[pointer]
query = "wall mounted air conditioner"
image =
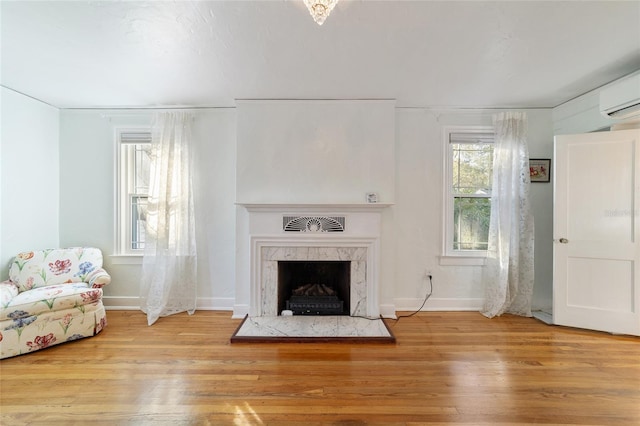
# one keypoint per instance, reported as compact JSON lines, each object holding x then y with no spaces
{"x":621,"y":100}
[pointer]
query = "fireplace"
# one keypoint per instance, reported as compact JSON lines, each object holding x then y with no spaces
{"x":278,"y":238}
{"x":314,"y":287}
{"x":355,"y":259}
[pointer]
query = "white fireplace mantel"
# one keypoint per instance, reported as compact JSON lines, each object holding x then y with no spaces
{"x":263,"y":242}
{"x":314,"y":207}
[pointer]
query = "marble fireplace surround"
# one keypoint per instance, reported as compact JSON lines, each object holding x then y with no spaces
{"x":359,"y":244}
{"x":361,"y":253}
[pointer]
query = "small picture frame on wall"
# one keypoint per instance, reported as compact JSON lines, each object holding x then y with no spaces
{"x":540,"y":169}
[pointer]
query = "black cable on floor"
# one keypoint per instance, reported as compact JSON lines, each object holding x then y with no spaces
{"x":408,"y":315}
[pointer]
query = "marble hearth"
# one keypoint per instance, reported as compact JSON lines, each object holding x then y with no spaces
{"x":312,"y":329}
{"x":268,"y":239}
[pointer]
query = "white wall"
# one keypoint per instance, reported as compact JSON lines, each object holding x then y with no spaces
{"x":214,"y":186}
{"x":87,"y":191}
{"x":29,"y":176}
{"x":541,"y":146}
{"x":315,"y":151}
{"x":87,"y":199}
{"x":413,"y":226}
{"x":420,"y":149}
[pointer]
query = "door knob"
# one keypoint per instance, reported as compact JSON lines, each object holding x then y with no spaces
{"x":563,"y":240}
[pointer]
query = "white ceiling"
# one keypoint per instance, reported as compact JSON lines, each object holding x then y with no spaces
{"x":74,"y":54}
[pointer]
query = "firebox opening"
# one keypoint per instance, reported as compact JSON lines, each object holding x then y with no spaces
{"x":314,"y":287}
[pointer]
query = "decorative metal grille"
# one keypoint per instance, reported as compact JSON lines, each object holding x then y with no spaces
{"x":313,"y":223}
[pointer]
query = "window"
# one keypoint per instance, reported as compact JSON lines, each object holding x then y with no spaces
{"x":133,"y":189}
{"x":468,"y":192}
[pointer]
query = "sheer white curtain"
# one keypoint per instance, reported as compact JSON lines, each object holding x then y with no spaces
{"x":168,"y":284}
{"x":508,"y":274}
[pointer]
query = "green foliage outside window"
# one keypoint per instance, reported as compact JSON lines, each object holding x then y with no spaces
{"x":471,"y":223}
{"x":472,"y":176}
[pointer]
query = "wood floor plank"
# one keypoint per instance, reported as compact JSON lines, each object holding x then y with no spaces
{"x":445,"y":368}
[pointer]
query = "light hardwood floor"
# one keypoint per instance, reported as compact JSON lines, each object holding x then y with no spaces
{"x":445,"y":368}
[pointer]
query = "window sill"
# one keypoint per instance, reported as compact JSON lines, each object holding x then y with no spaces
{"x":463,"y":260}
{"x":126,"y":259}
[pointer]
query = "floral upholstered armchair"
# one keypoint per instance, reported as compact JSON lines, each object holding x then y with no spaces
{"x":51,"y":297}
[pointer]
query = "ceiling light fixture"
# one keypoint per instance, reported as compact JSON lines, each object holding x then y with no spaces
{"x":320,"y":9}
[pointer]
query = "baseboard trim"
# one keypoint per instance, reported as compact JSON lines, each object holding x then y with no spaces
{"x":121,"y":303}
{"x":124,"y":303}
{"x":240,"y":311}
{"x":439,"y":304}
{"x":388,"y":311}
{"x":215,"y":303}
{"x":545,"y":317}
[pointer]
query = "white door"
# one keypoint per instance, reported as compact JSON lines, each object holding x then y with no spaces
{"x":596,"y":280}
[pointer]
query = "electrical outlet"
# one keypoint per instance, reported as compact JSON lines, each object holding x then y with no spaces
{"x":428,"y":273}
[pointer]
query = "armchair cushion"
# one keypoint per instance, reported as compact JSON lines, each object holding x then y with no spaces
{"x":8,"y":291}
{"x":52,"y":298}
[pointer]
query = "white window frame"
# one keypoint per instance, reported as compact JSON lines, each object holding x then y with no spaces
{"x":449,"y":255}
{"x":126,"y":141}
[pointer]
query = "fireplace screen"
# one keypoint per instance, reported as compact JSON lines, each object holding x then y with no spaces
{"x":314,"y":287}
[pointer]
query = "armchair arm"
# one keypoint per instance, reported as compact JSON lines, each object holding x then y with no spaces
{"x":8,"y":290}
{"x":98,"y":278}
